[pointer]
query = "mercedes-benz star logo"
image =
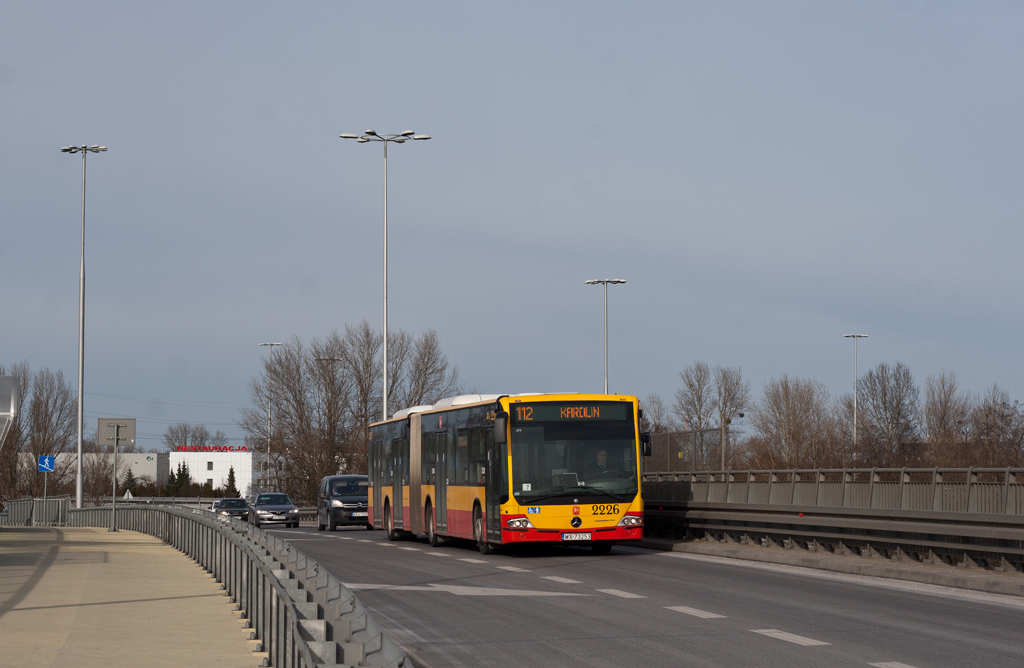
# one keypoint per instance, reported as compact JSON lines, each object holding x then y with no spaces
{"x":576,"y":522}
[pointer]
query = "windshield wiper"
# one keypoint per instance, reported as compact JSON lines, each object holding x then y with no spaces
{"x":595,"y":490}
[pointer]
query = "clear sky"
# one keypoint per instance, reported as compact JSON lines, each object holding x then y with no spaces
{"x":767,"y":177}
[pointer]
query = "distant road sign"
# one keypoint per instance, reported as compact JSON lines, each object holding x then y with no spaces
{"x":46,"y":464}
{"x":105,"y":431}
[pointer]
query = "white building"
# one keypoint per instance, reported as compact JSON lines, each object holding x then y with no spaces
{"x":207,"y":464}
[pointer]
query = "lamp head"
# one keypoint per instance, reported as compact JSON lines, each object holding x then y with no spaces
{"x":407,"y":133}
{"x":371,"y":133}
{"x":421,"y":137}
{"x":349,"y":135}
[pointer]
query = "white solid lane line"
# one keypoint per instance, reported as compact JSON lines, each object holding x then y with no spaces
{"x":513,"y":569}
{"x":890,"y":664}
{"x":474,"y":561}
{"x":620,"y":594}
{"x":555,"y":578}
{"x":703,"y":614}
{"x":789,"y":637}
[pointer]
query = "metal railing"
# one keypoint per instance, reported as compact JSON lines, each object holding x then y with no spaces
{"x":302,"y":616}
{"x":968,"y":517}
{"x":51,"y":511}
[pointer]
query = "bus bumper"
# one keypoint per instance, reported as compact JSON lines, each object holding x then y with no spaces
{"x":616,"y":534}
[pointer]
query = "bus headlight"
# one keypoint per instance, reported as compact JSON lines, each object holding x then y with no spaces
{"x":631,"y":521}
{"x":519,"y":523}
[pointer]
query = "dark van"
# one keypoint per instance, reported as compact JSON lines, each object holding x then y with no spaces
{"x":342,"y":501}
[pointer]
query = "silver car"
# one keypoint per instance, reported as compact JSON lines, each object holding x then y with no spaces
{"x":273,"y":508}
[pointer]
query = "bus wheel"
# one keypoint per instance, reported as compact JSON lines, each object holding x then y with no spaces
{"x":389,"y":524}
{"x":601,"y":548}
{"x":432,"y":537}
{"x":478,"y":532}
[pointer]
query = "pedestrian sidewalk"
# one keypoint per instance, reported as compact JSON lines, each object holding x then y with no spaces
{"x":88,"y":597}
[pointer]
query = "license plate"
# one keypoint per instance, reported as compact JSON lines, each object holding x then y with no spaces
{"x":576,"y":536}
{"x":358,"y":514}
{"x":278,"y":517}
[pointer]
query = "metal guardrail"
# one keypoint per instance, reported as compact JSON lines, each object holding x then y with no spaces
{"x":964,"y":517}
{"x":303,"y":616}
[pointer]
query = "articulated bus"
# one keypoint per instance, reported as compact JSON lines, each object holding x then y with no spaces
{"x":511,"y":469}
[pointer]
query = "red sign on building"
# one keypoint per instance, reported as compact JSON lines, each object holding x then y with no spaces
{"x":211,"y":448}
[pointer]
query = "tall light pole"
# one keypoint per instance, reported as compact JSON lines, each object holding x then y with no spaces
{"x":855,"y":337}
{"x":606,"y":281}
{"x":84,"y":150}
{"x":401,"y":138}
{"x":270,"y":405}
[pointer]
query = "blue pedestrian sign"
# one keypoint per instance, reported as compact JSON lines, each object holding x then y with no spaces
{"x":46,"y":464}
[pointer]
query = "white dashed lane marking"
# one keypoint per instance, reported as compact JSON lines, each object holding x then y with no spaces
{"x":890,"y":664}
{"x":438,"y":554}
{"x":620,"y":594}
{"x":370,"y":541}
{"x":474,"y":561}
{"x":703,"y":614}
{"x":458,"y":590}
{"x":513,"y":569}
{"x":411,"y":549}
{"x":555,"y":578}
{"x":789,"y":637}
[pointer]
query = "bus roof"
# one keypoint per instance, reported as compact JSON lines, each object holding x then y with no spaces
{"x":467,"y":400}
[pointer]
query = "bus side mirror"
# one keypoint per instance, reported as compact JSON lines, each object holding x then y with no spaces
{"x":645,"y":440}
{"x":501,"y":428}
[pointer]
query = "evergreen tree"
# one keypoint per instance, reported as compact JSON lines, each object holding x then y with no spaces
{"x":230,"y":491}
{"x":171,"y":486}
{"x":129,"y":481}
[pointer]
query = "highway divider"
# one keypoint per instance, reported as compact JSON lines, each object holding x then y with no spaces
{"x":301,"y":614}
{"x":961,"y":517}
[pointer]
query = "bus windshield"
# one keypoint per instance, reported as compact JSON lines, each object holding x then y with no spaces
{"x":552,"y":460}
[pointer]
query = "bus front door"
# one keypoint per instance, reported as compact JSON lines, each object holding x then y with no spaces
{"x":397,"y":480}
{"x":492,"y":489}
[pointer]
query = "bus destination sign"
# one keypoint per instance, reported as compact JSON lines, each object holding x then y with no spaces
{"x":571,"y":412}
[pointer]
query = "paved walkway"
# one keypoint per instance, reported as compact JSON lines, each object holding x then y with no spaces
{"x":88,"y":597}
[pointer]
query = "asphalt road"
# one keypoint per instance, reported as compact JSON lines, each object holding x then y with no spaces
{"x":558,"y":606}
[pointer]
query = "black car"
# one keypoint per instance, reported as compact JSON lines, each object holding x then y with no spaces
{"x":228,"y":508}
{"x":273,"y":508}
{"x":342,"y":500}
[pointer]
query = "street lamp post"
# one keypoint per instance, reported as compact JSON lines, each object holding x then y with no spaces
{"x":401,"y":138}
{"x":84,"y":150}
{"x":270,"y":406}
{"x":605,"y":281}
{"x":855,"y":337}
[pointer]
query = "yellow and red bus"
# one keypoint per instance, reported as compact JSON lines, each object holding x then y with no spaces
{"x":511,"y":469}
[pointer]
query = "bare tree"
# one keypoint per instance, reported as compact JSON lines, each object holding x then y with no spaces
{"x":52,"y":424}
{"x":695,"y":404}
{"x":995,"y":428}
{"x":733,"y":395}
{"x":946,"y":409}
{"x":657,"y":417}
{"x":218,"y":440}
{"x":793,"y":424}
{"x":430,"y":377}
{"x":178,"y":435}
{"x":324,"y":396}
{"x":889,"y":408}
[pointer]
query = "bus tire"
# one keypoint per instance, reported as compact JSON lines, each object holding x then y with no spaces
{"x":432,"y":537}
{"x":602,"y":547}
{"x":479,"y":534}
{"x":389,"y":523}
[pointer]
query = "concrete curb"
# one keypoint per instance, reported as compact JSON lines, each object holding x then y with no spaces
{"x":1011,"y":584}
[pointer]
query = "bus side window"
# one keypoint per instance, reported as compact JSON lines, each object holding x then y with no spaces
{"x":477,"y":457}
{"x":462,"y":456}
{"x":453,"y":476}
{"x":388,"y":463}
{"x":427,"y":441}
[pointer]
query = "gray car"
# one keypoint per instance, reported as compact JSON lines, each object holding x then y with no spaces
{"x":342,"y":500}
{"x":228,"y":508}
{"x":273,"y":508}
